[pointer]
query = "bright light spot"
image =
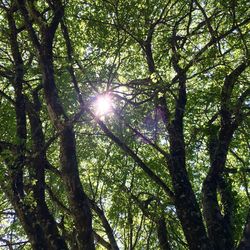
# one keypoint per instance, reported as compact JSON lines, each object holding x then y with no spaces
{"x":103,"y":105}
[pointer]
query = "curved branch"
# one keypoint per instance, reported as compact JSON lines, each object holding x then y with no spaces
{"x":134,"y":156}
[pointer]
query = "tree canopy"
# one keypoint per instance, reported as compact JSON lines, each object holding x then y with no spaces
{"x":124,"y":124}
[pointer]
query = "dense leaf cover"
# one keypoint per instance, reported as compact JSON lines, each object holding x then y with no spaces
{"x":166,"y":165}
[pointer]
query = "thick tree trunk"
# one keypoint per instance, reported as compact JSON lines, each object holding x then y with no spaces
{"x":16,"y":193}
{"x":220,"y":226}
{"x":44,"y":218}
{"x":185,"y":201}
{"x":77,"y":198}
{"x":28,"y":220}
{"x":187,"y":208}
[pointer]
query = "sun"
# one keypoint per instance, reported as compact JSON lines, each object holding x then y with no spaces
{"x":103,"y":105}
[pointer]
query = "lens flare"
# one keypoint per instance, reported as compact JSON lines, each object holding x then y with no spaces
{"x":103,"y":105}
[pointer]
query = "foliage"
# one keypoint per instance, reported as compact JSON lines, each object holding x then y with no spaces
{"x":168,"y":167}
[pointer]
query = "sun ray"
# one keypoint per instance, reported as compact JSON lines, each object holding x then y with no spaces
{"x":103,"y":105}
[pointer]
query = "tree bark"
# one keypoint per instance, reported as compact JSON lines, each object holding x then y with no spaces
{"x":187,"y":208}
{"x":106,"y":225}
{"x":245,"y":242}
{"x":36,"y":219}
{"x":44,"y":218}
{"x":70,"y":174}
{"x":77,"y":198}
{"x":220,"y":226}
{"x":162,"y":234}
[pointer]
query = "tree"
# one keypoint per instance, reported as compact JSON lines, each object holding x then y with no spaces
{"x":161,"y":161}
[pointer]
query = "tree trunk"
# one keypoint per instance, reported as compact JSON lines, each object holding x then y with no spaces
{"x":77,"y":198}
{"x":44,"y":218}
{"x":162,"y":234}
